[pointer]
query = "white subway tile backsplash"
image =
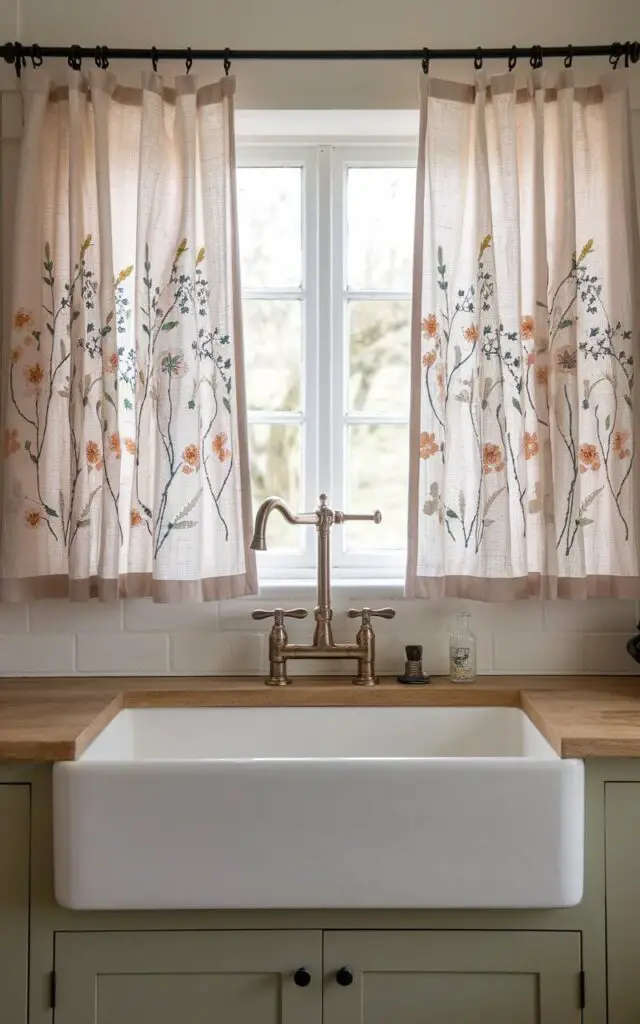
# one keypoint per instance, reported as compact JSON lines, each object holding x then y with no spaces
{"x":45,"y":654}
{"x":143,"y":616}
{"x":126,"y":654}
{"x":596,"y":616}
{"x":14,"y":618}
{"x":219,"y":653}
{"x":62,"y":616}
{"x":139,"y":637}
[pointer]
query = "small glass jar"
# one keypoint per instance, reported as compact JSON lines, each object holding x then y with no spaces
{"x":462,"y":651}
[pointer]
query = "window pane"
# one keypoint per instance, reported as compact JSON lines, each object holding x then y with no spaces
{"x":275,"y":453}
{"x":377,"y":472}
{"x":380,"y":219}
{"x":270,"y":226}
{"x":378,"y":356}
{"x":273,"y":351}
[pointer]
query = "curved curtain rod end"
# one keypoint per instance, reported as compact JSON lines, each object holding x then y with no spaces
{"x":425,"y":60}
{"x":227,"y":61}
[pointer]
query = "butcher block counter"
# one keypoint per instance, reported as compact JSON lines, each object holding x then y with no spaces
{"x":55,"y":719}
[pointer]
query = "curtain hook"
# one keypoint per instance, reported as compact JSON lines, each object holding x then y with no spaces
{"x":568,"y":60}
{"x":426,"y":57}
{"x":477,"y":60}
{"x":627,"y":48}
{"x":615,"y":55}
{"x":227,"y":61}
{"x":154,"y":58}
{"x":19,"y":59}
{"x":74,"y":60}
{"x":634,"y":52}
{"x":536,"y":57}
{"x":513,"y":58}
{"x":102,"y":57}
{"x":188,"y":60}
{"x":36,"y":56}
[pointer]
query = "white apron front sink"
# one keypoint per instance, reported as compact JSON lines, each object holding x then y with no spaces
{"x":319,"y":807}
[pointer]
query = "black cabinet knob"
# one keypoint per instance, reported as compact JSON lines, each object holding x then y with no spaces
{"x":302,"y":977}
{"x":344,"y":977}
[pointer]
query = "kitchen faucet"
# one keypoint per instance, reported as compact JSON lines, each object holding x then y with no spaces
{"x":323,"y":644}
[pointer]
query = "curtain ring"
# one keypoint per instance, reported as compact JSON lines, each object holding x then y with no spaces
{"x":74,"y":60}
{"x":102,"y":57}
{"x":615,"y":55}
{"x":154,"y":58}
{"x":634,"y":52}
{"x":513,"y":58}
{"x":536,"y":57}
{"x":568,"y":60}
{"x":426,"y":57}
{"x":626,"y":48}
{"x":36,"y":56}
{"x":227,"y":61}
{"x":188,"y":60}
{"x":477,"y":60}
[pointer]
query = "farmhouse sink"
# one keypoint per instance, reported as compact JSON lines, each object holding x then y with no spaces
{"x":319,"y":807}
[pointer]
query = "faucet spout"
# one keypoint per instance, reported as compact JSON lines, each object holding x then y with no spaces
{"x":259,"y":541}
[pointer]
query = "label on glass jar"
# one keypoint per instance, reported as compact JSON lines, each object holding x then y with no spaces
{"x":461,"y":664}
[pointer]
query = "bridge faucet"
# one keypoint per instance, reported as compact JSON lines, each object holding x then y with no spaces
{"x":323,"y":644}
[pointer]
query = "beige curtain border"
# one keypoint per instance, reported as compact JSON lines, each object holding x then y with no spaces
{"x":478,"y":588}
{"x":38,"y":588}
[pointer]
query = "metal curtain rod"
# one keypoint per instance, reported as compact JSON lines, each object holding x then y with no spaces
{"x":17,"y":54}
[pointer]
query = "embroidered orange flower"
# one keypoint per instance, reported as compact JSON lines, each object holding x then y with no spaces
{"x":135,"y":518}
{"x":531,"y":445}
{"x":620,"y":439}
{"x":430,"y":325}
{"x":111,"y":364}
{"x":94,"y":457}
{"x":219,"y":447}
{"x":33,"y":519}
{"x":589,"y":458}
{"x":191,"y":458}
{"x":429,"y":358}
{"x":16,"y":355}
{"x":130,"y":445}
{"x":11,"y":443}
{"x":471,"y":333}
{"x":428,"y":445}
{"x":440,"y":379}
{"x":34,"y":376}
{"x":542,"y":375}
{"x":114,"y":445}
{"x":22,"y":319}
{"x":492,"y":458}
{"x":527,"y":326}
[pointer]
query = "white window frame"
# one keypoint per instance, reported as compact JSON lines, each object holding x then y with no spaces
{"x":325,"y":160}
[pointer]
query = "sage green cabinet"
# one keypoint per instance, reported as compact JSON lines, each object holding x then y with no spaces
{"x":14,"y":901}
{"x":190,"y":977}
{"x":452,"y":977}
{"x":622,"y":825}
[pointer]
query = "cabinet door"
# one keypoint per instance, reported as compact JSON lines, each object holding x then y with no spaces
{"x":239,"y":977}
{"x":622,"y":802}
{"x":14,"y":901}
{"x":449,"y":977}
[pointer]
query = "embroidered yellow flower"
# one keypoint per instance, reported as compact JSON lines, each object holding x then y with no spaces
{"x":22,"y":319}
{"x":429,"y":358}
{"x":492,"y":458}
{"x":471,"y":333}
{"x":219,"y":447}
{"x":527,"y":326}
{"x":33,"y":519}
{"x":430,"y":325}
{"x":191,"y":458}
{"x":428,"y":445}
{"x":135,"y":518}
{"x":531,"y":445}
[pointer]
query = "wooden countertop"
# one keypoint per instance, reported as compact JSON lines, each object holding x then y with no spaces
{"x":55,"y":719}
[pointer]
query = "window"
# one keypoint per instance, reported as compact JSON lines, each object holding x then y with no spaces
{"x":326,"y":236}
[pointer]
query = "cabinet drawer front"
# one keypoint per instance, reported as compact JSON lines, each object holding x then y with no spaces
{"x":241,"y":977}
{"x":447,"y":977}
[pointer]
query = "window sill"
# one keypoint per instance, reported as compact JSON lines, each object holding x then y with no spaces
{"x":305,"y":590}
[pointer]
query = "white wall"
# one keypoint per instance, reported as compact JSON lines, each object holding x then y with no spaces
{"x":136,"y":637}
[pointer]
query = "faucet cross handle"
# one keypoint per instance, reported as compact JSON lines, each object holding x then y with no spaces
{"x":347,"y":517}
{"x":279,"y":614}
{"x":367,"y":613}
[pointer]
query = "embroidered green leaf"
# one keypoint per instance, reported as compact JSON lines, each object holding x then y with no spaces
{"x":516,"y":405}
{"x":82,"y":523}
{"x":169,"y":325}
{"x":452,"y":514}
{"x":586,"y":249}
{"x":484,"y":244}
{"x":565,"y":323}
{"x":63,"y":350}
{"x":607,"y":422}
{"x":627,"y":399}
{"x":185,"y":524}
{"x":127,"y":404}
{"x":184,"y":511}
{"x":110,"y":400}
{"x":84,"y":511}
{"x":51,"y":512}
{"x":227,"y":405}
{"x":583,"y":521}
{"x":589,"y":500}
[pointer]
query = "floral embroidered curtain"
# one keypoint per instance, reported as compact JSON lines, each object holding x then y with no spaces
{"x":524,"y":330}
{"x":125,"y":452}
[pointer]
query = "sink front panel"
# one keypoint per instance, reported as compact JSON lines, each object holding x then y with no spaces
{"x":302,"y":830}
